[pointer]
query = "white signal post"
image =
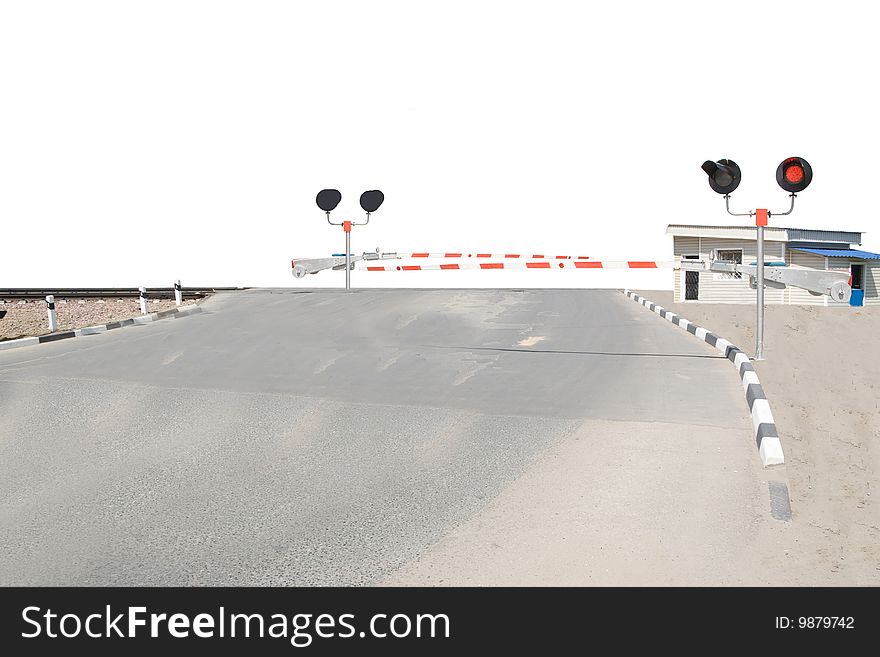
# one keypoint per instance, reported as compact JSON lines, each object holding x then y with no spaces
{"x":761,"y":216}
{"x":346,"y":226}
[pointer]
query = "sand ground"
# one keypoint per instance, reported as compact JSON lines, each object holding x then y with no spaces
{"x":821,"y":375}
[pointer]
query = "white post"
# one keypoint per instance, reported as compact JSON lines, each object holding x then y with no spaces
{"x":143,"y":299}
{"x":53,"y":320}
{"x":348,"y":259}
{"x":759,"y":282}
{"x":178,"y":293}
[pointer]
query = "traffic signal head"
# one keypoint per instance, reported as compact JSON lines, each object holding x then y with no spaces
{"x":794,"y":174}
{"x":328,"y":199}
{"x":724,"y":175}
{"x":371,"y":200}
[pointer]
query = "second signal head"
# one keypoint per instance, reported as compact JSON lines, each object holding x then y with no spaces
{"x":794,"y":174}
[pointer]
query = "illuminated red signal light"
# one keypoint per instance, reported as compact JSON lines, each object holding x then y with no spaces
{"x":794,"y":174}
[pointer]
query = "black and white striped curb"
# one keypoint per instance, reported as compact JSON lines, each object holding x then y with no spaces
{"x":100,"y":328}
{"x":766,"y":435}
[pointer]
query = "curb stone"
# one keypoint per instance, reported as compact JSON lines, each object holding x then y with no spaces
{"x":766,"y":435}
{"x":101,"y":328}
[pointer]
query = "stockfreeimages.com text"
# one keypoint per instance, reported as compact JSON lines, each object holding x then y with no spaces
{"x":300,"y":629}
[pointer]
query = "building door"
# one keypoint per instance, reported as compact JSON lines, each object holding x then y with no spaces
{"x":691,"y":281}
{"x":857,"y":275}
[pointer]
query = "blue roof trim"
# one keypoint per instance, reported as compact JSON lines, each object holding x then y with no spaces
{"x":841,"y":253}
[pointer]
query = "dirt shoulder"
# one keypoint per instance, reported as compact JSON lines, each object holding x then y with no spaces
{"x":821,"y":374}
{"x":587,"y":513}
{"x":30,"y":318}
{"x":648,"y":504}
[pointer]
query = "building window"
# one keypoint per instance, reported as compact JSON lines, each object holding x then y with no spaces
{"x":731,"y":255}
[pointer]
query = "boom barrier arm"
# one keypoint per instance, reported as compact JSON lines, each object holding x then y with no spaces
{"x":817,"y":282}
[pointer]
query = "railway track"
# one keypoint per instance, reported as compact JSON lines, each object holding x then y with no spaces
{"x":105,"y":292}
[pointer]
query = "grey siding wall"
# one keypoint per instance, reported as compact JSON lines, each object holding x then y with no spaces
{"x":839,"y":264}
{"x":802,"y":260}
{"x":872,"y":283}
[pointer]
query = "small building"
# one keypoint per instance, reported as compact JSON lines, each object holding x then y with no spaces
{"x":794,"y":247}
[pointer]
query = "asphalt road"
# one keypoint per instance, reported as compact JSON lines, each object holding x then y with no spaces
{"x":290,"y":437}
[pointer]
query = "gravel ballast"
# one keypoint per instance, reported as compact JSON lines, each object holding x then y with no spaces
{"x":30,"y":318}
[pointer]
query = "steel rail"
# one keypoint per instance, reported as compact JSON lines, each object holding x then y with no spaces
{"x":107,"y":292}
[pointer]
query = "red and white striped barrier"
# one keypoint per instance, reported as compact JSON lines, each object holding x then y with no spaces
{"x":576,"y":264}
{"x":497,"y":256}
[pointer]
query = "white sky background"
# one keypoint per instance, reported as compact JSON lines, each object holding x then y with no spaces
{"x":143,"y":142}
